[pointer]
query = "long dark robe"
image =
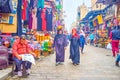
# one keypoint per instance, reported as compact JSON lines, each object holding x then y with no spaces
{"x":82,"y":42}
{"x":74,"y":49}
{"x":60,"y":42}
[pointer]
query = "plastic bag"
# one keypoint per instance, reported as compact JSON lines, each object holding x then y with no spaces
{"x":109,"y":46}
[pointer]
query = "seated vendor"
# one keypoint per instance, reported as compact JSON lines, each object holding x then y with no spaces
{"x":20,"y":47}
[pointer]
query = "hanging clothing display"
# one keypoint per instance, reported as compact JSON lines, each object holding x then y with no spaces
{"x":24,"y":8}
{"x":19,"y":20}
{"x":14,"y":3}
{"x":35,"y":3}
{"x":40,"y":3}
{"x":30,"y":20}
{"x":39,"y":19}
{"x":43,"y":16}
{"x":27,"y":12}
{"x":34,"y":21}
{"x":31,"y":3}
{"x":49,"y":19}
{"x":6,"y":6}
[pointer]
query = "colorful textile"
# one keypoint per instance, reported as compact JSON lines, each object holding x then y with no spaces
{"x":40,"y":3}
{"x":39,"y":19}
{"x":35,"y":3}
{"x":49,"y":19}
{"x":30,"y":21}
{"x":43,"y":16}
{"x":24,"y":7}
{"x":31,"y":3}
{"x":19,"y":18}
{"x":6,"y":6}
{"x":34,"y":21}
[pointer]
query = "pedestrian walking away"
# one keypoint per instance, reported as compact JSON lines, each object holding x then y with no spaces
{"x":82,"y":40}
{"x":114,"y":36}
{"x":92,"y":37}
{"x":118,"y":56}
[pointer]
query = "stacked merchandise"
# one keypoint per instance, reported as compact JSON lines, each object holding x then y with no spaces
{"x":46,"y":43}
{"x":36,"y":48}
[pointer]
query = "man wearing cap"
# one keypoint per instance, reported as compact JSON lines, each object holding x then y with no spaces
{"x":20,"y":47}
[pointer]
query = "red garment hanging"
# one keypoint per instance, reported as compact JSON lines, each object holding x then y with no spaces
{"x":24,"y":7}
{"x":43,"y":16}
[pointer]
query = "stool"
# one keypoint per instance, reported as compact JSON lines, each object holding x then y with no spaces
{"x":24,"y":73}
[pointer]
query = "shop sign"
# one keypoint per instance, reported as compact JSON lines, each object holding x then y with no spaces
{"x":100,"y":19}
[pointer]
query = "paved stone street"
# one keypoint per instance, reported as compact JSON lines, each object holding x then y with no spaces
{"x":96,"y":64}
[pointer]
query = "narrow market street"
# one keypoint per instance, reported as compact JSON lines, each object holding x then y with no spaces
{"x":31,"y":31}
{"x":96,"y":64}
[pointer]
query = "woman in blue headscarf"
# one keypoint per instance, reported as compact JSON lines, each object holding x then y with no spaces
{"x":60,"y":43}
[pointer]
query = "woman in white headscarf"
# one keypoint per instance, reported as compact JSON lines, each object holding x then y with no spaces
{"x":82,"y":40}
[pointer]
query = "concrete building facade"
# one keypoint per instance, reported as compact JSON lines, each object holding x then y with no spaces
{"x":83,"y":11}
{"x":97,"y":6}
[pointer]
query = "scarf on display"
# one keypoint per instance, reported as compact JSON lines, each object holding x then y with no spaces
{"x":43,"y":16}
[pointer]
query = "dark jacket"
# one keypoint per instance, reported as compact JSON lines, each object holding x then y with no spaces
{"x":115,"y":34}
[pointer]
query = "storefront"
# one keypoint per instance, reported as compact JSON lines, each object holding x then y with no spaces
{"x":118,"y":12}
{"x":8,"y":16}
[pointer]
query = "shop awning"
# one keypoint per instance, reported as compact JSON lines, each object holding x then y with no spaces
{"x":91,"y":15}
{"x":108,"y":1}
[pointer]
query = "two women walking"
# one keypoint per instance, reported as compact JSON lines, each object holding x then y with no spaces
{"x":60,"y":43}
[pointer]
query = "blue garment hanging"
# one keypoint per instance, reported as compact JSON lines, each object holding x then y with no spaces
{"x":39,"y":19}
{"x":19,"y":18}
{"x":6,"y":6}
{"x":35,"y":3}
{"x":31,"y":4}
{"x":49,"y":19}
